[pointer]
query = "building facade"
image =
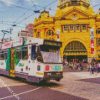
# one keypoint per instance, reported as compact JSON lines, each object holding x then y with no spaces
{"x":77,"y":26}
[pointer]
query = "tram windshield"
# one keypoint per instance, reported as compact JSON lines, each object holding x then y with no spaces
{"x":50,"y":54}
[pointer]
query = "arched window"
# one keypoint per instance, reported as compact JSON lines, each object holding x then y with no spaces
{"x":98,"y":31}
{"x":75,"y":47}
{"x":50,"y":33}
{"x":37,"y":34}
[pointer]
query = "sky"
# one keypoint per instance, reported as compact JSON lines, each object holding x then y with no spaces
{"x":21,"y":12}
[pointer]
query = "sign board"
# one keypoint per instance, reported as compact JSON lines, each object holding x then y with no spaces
{"x":18,"y":42}
{"x":52,"y":43}
{"x":31,"y":40}
{"x":7,"y":45}
{"x":92,"y":40}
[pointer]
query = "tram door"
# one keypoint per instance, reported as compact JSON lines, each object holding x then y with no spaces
{"x":12,"y":64}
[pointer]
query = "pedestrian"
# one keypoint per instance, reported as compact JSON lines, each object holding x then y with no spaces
{"x":71,"y":65}
{"x":98,"y":67}
{"x":91,"y":68}
{"x":65,"y":63}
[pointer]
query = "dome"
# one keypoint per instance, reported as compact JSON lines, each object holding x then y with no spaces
{"x":63,"y":3}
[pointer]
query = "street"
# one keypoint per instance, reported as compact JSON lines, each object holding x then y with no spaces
{"x":74,"y":86}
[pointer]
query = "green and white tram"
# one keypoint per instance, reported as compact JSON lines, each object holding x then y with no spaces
{"x":32,"y":59}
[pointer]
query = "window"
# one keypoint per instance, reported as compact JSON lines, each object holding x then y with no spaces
{"x":39,"y":56}
{"x":77,"y":27}
{"x":24,"y":53}
{"x":5,"y":54}
{"x":1,"y":55}
{"x":65,"y":27}
{"x":18,"y":52}
{"x":38,"y":35}
{"x":71,"y":27}
{"x":84,"y":27}
{"x":74,"y":2}
{"x":33,"y":52}
{"x":98,"y":41}
{"x":38,"y":67}
{"x":98,"y":31}
{"x":50,"y":32}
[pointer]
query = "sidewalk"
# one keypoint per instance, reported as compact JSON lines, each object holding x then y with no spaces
{"x":73,"y":83}
{"x":85,"y":75}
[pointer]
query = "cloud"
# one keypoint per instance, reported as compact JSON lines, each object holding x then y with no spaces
{"x":8,"y":2}
{"x":32,"y":1}
{"x":11,"y":2}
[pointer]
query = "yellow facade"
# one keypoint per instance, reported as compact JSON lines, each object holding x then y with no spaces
{"x":74,"y":20}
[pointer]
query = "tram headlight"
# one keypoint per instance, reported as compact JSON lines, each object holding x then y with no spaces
{"x":57,"y":68}
{"x":47,"y":67}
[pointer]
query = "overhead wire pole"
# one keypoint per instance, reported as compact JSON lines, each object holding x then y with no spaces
{"x":4,"y":33}
{"x":29,"y":9}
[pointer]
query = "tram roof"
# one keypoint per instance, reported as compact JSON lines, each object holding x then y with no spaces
{"x":29,"y":40}
{"x":22,"y":41}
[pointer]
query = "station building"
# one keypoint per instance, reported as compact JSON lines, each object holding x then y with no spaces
{"x":76,"y":24}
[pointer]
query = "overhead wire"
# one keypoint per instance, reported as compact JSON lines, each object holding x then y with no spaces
{"x":29,"y":9}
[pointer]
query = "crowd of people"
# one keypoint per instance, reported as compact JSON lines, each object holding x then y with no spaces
{"x":92,"y":67}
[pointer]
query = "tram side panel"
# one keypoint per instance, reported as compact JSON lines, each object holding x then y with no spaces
{"x":5,"y":58}
{"x":36,"y":71}
{"x":27,"y":68}
{"x":21,"y":62}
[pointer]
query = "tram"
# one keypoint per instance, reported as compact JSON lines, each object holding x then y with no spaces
{"x":33,"y":59}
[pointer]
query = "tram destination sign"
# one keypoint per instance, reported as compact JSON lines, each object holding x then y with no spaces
{"x":52,"y":43}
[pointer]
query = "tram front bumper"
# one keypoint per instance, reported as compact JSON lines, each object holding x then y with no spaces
{"x":53,"y":76}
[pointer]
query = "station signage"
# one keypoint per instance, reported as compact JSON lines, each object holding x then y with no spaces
{"x":52,"y":43}
{"x":92,"y":40}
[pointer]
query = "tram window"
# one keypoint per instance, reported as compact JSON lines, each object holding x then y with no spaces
{"x":18,"y":52}
{"x":24,"y":53}
{"x":1,"y":56}
{"x":5,"y":54}
{"x":33,"y":52}
{"x":39,"y":55}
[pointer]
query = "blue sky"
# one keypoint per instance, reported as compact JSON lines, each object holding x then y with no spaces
{"x":21,"y":12}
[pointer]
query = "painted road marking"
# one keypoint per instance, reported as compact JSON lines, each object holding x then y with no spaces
{"x":21,"y":93}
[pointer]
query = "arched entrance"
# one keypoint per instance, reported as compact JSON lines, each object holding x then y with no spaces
{"x":75,"y":50}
